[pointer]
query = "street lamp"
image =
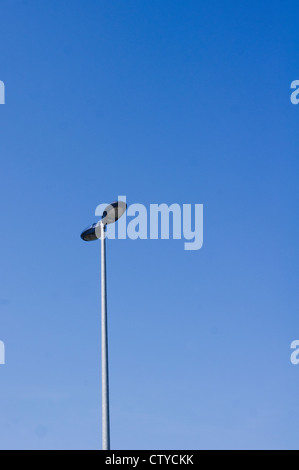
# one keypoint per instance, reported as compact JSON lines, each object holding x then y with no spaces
{"x":110,"y":215}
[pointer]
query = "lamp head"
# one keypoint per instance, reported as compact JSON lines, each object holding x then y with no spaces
{"x":110,"y":215}
{"x":113,"y":212}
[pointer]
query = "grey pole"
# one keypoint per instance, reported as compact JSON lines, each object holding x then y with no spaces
{"x":105,"y":374}
{"x":111,"y":214}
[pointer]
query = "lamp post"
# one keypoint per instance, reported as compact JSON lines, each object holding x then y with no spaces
{"x":110,"y":215}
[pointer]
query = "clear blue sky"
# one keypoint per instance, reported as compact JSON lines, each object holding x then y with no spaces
{"x":161,"y":101}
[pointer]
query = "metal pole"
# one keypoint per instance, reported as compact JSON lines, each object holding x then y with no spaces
{"x":105,"y":376}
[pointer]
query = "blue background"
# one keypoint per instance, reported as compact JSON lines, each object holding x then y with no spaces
{"x":162,"y":101}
